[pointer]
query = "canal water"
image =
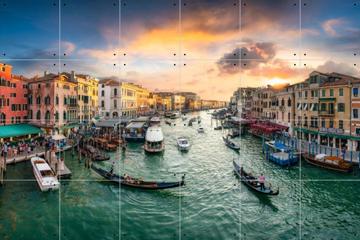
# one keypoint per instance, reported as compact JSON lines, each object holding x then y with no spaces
{"x":313,"y":203}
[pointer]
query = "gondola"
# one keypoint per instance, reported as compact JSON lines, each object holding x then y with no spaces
{"x":218,"y":128}
{"x":137,"y":183}
{"x":231,"y":144}
{"x":252,"y":182}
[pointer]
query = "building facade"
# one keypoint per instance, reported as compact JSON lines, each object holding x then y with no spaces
{"x":13,"y":96}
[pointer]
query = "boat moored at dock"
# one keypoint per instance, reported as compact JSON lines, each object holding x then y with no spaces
{"x":328,"y":162}
{"x":44,"y":175}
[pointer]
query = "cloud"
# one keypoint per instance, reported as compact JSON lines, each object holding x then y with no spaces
{"x":251,"y":57}
{"x":330,"y":66}
{"x":330,"y":25}
{"x":67,"y":47}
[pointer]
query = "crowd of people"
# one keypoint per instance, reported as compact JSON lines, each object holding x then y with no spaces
{"x":20,"y":148}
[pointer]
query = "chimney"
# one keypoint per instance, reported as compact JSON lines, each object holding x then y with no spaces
{"x":45,"y":73}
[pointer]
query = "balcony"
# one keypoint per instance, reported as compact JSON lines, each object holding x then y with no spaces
{"x":327,"y":113}
{"x":332,"y":130}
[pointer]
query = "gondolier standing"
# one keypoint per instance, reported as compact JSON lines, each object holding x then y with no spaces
{"x":262,"y":181}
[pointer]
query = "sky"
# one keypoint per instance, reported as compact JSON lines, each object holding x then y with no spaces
{"x":206,"y":46}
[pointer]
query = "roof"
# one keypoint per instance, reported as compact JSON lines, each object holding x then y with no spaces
{"x":141,"y":119}
{"x":58,"y":137}
{"x":154,"y":134}
{"x":135,"y":125}
{"x":109,"y":122}
{"x":16,"y":130}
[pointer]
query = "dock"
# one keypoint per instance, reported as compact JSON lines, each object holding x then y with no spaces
{"x":64,"y":172}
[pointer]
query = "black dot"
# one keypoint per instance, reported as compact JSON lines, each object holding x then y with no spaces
{"x":295,"y":4}
{"x":234,"y":54}
{"x":184,"y":64}
{"x":64,"y":54}
{"x":114,"y":54}
{"x":244,"y":54}
{"x":294,"y":54}
{"x":234,"y":64}
{"x":354,"y":54}
{"x":124,"y":64}
{"x":174,"y":54}
{"x":294,"y":64}
{"x":4,"y":54}
{"x":355,"y":4}
{"x":124,"y":4}
{"x":64,"y":4}
{"x":304,"y":54}
{"x":64,"y":64}
{"x":114,"y":64}
{"x":234,"y":4}
{"x":244,"y":64}
{"x":304,"y":4}
{"x":304,"y":64}
{"x":174,"y":64}
{"x":174,"y":4}
{"x":244,"y":4}
{"x":54,"y":54}
{"x":54,"y":64}
{"x":114,"y":4}
{"x":184,"y":54}
{"x":54,"y":4}
{"x":184,"y":4}
{"x":124,"y":54}
{"x":354,"y":64}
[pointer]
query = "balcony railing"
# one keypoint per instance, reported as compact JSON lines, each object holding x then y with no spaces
{"x":327,"y":113}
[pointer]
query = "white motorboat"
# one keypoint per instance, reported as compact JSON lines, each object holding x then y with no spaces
{"x":183,"y":144}
{"x":201,"y":130}
{"x":154,"y":140}
{"x":175,"y":115}
{"x":44,"y":175}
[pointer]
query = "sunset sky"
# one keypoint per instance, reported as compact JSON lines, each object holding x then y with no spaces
{"x":279,"y":41}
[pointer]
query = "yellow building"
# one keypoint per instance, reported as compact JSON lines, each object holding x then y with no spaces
{"x":178,"y":102}
{"x":143,"y":101}
{"x":87,"y":90}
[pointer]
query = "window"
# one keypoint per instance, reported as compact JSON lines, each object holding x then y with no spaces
{"x":355,"y":92}
{"x":306,"y":94}
{"x":357,"y":131}
{"x":331,"y":108}
{"x":331,"y":92}
{"x":323,"y":92}
{"x":115,"y":91}
{"x":289,"y":102}
{"x":115,"y":103}
{"x":323,"y":124}
{"x":355,"y":113}
{"x":323,"y":107}
{"x":341,"y":124}
{"x":341,"y":107}
{"x":289,"y":116}
{"x":102,"y":104}
{"x":57,"y":100}
{"x":38,"y":115}
{"x":102,"y":93}
{"x":341,"y":92}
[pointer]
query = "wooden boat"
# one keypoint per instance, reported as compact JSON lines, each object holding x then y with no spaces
{"x":231,"y":144}
{"x":137,"y":182}
{"x":252,"y":182}
{"x":183,"y":144}
{"x":44,"y":175}
{"x":95,"y":154}
{"x":328,"y":162}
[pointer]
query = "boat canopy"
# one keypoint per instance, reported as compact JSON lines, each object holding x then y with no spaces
{"x":58,"y":137}
{"x":154,"y":134}
{"x":43,"y":167}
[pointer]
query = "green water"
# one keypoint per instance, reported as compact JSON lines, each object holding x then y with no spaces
{"x":212,"y":205}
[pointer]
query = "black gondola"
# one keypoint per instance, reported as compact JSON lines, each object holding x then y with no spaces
{"x":231,"y":144}
{"x":137,"y":183}
{"x":251,"y":181}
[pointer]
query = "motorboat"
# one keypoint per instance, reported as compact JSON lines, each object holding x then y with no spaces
{"x":175,"y":115}
{"x":201,"y":130}
{"x":44,"y":175}
{"x":329,"y":162}
{"x":154,"y":140}
{"x":183,"y":144}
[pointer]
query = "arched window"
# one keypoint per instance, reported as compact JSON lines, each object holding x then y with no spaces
{"x":2,"y":118}
{"x":115,"y":91}
{"x":64,"y":116}
{"x":30,"y":115}
{"x":38,"y":100}
{"x":115,"y":114}
{"x":47,"y":116}
{"x":282,"y":102}
{"x":57,"y":100}
{"x":289,"y":102}
{"x":38,"y":115}
{"x":57,"y":116}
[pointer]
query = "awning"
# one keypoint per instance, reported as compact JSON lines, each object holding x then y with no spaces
{"x":135,"y":125}
{"x":70,"y":125}
{"x":17,"y":130}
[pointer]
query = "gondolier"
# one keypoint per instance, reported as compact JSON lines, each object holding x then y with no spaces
{"x":261,"y":180}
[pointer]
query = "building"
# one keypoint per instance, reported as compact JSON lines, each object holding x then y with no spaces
{"x":87,"y":92}
{"x":117,"y":99}
{"x":285,"y":108}
{"x":52,"y":101}
{"x":178,"y":102}
{"x":13,"y":96}
{"x":142,"y":100}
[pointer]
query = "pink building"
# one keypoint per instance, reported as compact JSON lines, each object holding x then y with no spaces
{"x":52,"y":101}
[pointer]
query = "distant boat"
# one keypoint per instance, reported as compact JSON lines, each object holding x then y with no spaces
{"x":231,"y":144}
{"x":44,"y":175}
{"x":154,"y":140}
{"x":328,"y":162}
{"x":252,"y":181}
{"x":201,"y":130}
{"x":218,"y":128}
{"x":136,"y":182}
{"x":175,"y":115}
{"x":155,"y":121}
{"x":183,"y":144}
{"x":168,"y":122}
